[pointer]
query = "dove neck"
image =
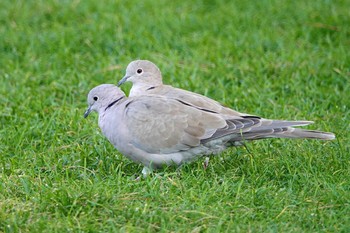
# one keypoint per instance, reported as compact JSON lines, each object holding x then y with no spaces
{"x":141,"y":89}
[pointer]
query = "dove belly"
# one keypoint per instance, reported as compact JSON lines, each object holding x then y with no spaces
{"x":154,"y":160}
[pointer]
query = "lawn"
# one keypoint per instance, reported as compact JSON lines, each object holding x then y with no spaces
{"x":277,"y":59}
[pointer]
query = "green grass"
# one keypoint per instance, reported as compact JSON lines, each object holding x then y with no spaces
{"x":277,"y":59}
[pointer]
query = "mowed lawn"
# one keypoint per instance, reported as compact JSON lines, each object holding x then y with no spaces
{"x":276,"y":59}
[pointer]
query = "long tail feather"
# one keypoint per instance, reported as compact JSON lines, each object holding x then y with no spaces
{"x":238,"y":130}
{"x":304,"y":133}
{"x":285,"y":129}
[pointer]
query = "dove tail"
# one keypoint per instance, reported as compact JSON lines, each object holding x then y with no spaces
{"x":304,"y":133}
{"x":252,"y":129}
{"x":285,"y":129}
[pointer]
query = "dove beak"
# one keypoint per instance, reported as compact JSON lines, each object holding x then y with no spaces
{"x":123,"y":80}
{"x":87,"y":112}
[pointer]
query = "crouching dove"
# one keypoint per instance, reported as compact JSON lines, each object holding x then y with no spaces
{"x":147,"y":79}
{"x":156,"y":130}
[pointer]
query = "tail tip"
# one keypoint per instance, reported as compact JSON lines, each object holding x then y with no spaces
{"x":331,"y":136}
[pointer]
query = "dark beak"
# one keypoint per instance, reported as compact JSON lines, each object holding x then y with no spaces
{"x":123,"y":80}
{"x":87,"y":112}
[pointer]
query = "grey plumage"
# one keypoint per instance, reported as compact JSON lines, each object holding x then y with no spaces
{"x":155,"y":130}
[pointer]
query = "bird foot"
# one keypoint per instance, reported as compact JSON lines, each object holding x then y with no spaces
{"x":206,"y":163}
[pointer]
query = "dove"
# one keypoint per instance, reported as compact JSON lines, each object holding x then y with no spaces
{"x":147,"y":79}
{"x":155,"y":130}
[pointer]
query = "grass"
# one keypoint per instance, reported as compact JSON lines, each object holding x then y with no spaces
{"x":277,"y":59}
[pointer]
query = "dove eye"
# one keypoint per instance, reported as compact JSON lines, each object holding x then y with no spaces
{"x":139,"y":71}
{"x":95,"y":98}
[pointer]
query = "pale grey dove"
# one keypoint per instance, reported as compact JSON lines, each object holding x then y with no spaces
{"x":147,"y":79}
{"x":156,"y":130}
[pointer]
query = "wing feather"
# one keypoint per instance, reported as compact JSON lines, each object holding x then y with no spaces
{"x":161,"y":125}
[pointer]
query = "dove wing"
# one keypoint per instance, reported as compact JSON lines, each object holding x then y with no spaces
{"x":192,"y":98}
{"x":162,"y":125}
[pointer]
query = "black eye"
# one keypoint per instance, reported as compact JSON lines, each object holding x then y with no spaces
{"x":95,"y":98}
{"x":139,"y":71}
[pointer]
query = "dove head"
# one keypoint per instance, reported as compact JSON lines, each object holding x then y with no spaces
{"x":103,"y":97}
{"x":143,"y":73}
